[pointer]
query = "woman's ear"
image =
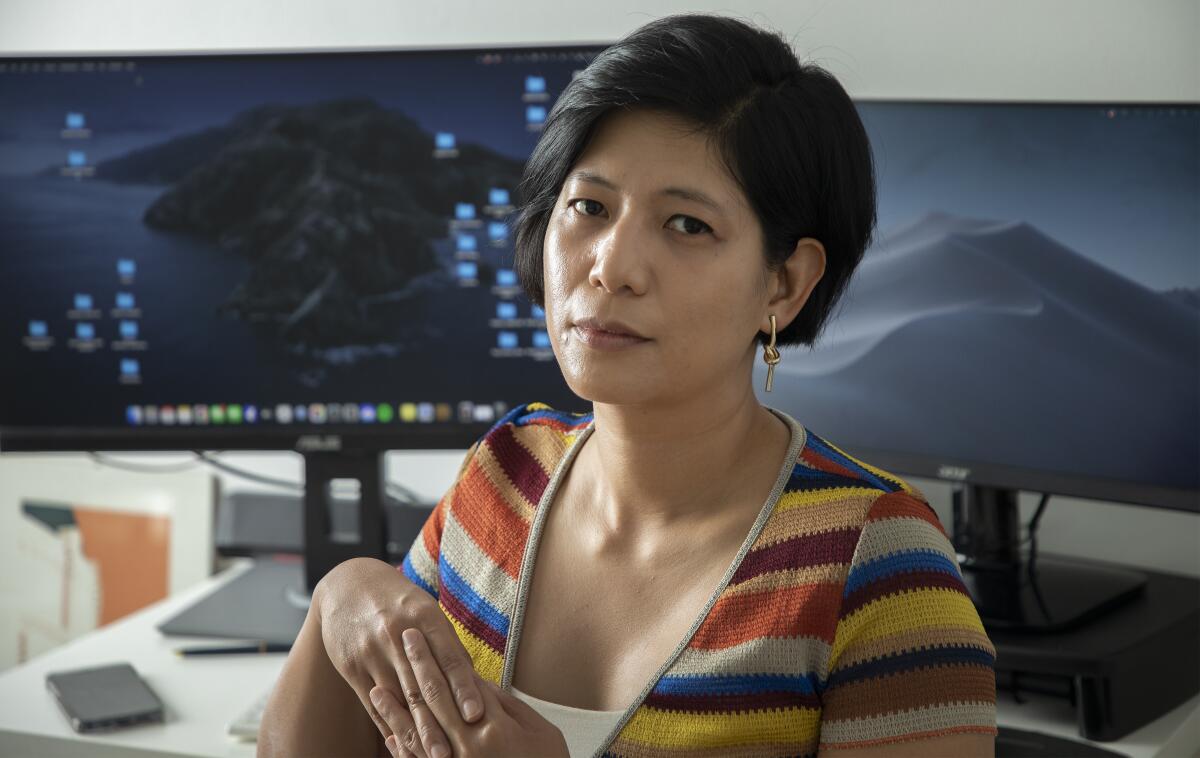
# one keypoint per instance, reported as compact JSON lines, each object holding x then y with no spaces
{"x":788,"y":288}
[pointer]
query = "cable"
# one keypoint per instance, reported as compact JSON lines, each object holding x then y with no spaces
{"x":403,"y":494}
{"x":167,"y":468}
{"x":248,"y":475}
{"x":397,"y":491}
{"x":1033,"y":526}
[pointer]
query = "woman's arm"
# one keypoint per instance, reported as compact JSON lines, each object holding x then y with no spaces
{"x":312,"y":710}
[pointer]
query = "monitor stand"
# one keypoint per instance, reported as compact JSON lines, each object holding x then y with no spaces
{"x":266,"y":603}
{"x":1025,"y":592}
{"x":345,"y":513}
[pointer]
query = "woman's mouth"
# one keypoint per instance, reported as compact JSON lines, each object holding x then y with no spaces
{"x":607,"y":336}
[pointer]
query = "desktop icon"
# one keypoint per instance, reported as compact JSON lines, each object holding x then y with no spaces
{"x":444,"y":140}
{"x":506,"y":309}
{"x":129,"y":330}
{"x":38,"y":329}
{"x":125,"y":301}
{"x":497,"y":231}
{"x":130,"y":367}
{"x":484,"y":413}
{"x":506,"y":340}
{"x":83,"y":302}
{"x":537,"y":311}
{"x":497,"y":196}
{"x":464,"y":211}
{"x":541,"y":339}
{"x":408,"y":412}
{"x":75,"y":120}
{"x":85,"y":331}
{"x":466,"y":270}
{"x":76,"y":158}
{"x":506,"y":277}
{"x":425,"y":413}
{"x":465,"y":242}
{"x":126,"y":268}
{"x":535,"y":85}
{"x":466,"y":411}
{"x":384,"y":413}
{"x":535,"y":115}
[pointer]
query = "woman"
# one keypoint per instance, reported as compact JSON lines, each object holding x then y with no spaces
{"x":684,"y":570}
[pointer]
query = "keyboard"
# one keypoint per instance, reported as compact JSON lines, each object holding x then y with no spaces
{"x":1019,"y":743}
{"x":245,"y":726}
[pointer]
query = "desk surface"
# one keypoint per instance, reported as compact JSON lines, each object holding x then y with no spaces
{"x":203,"y":694}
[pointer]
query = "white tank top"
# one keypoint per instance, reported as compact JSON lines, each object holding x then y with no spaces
{"x":584,"y":730}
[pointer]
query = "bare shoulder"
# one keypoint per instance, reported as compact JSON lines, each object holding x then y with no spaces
{"x":967,"y":745}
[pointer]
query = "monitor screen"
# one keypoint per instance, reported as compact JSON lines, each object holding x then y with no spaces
{"x":248,"y":245}
{"x":1029,"y":312}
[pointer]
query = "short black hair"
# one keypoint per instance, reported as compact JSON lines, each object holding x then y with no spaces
{"x":787,"y":131}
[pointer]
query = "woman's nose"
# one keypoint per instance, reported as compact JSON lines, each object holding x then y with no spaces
{"x":620,"y":258}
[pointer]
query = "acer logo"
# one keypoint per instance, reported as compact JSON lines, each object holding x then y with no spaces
{"x":953,"y":472}
{"x":317,"y":443}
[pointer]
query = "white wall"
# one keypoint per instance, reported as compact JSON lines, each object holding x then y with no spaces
{"x":1089,"y":50}
{"x":1018,"y":49}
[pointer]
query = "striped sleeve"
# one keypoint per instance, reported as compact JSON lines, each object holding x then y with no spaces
{"x":910,"y":657}
{"x":421,"y":562}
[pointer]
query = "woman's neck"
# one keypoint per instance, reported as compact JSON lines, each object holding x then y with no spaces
{"x":649,"y":472}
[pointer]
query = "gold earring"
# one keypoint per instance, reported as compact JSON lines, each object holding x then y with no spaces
{"x":771,"y":355}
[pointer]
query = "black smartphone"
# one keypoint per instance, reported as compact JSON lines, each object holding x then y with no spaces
{"x":104,"y":698}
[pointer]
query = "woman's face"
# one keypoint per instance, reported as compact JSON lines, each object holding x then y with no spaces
{"x":650,"y":234}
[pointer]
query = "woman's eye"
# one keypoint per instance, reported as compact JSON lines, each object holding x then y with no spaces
{"x":583,"y":204}
{"x":692,"y":227}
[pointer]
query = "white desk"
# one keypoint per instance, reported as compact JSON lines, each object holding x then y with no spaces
{"x":203,"y":694}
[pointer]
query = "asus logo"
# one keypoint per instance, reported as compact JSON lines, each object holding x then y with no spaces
{"x":953,"y":472}
{"x":316,"y":443}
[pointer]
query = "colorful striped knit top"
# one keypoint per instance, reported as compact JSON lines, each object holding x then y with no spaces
{"x":843,"y":621}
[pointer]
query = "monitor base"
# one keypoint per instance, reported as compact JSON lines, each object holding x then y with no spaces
{"x":268,"y":603}
{"x":1049,"y":595}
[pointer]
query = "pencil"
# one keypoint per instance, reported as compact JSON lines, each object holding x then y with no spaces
{"x":256,"y":648}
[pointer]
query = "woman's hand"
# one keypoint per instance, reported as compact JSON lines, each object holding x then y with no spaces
{"x":511,"y":727}
{"x":364,"y":604}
